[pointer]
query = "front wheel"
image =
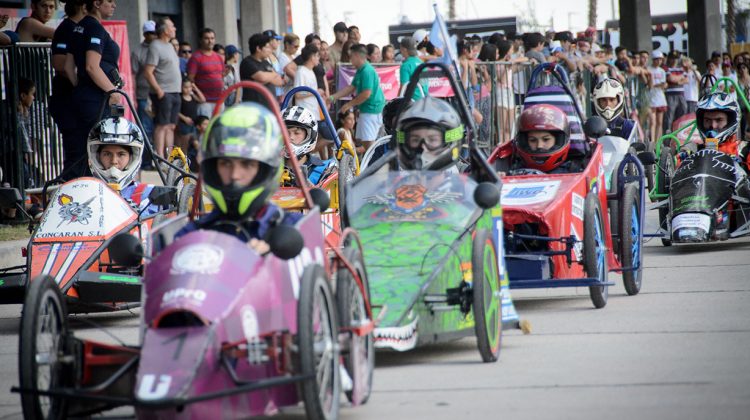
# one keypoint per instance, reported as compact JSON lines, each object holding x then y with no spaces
{"x":359,"y":360}
{"x":42,"y":362}
{"x":594,"y":249}
{"x":317,"y":338}
{"x":666,"y":170}
{"x":488,"y":324}
{"x":630,"y":238}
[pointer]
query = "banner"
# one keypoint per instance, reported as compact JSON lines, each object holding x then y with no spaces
{"x":118,"y":30}
{"x":389,"y":79}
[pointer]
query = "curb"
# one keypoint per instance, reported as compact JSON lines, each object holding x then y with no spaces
{"x":10,"y":253}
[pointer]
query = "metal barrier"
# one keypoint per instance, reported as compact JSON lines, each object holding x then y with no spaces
{"x":28,"y":170}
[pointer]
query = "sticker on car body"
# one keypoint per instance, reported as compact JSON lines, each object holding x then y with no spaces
{"x":525,"y":193}
{"x":576,"y":206}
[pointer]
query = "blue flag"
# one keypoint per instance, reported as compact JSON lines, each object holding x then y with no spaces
{"x":440,"y":39}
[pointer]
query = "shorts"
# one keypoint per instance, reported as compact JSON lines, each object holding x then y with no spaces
{"x":368,"y":126}
{"x":659,"y":108}
{"x":504,"y":98}
{"x":166,"y":108}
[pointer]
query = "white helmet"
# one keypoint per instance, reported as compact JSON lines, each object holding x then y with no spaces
{"x":296,"y":116}
{"x":119,"y":132}
{"x":609,"y":88}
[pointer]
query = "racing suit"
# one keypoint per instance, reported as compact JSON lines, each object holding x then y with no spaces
{"x":621,"y":127}
{"x":137,"y":194}
{"x":244,"y":230}
{"x":316,"y":169}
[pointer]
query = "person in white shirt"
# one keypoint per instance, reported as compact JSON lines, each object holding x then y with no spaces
{"x":656,"y":94}
{"x":310,"y":57}
{"x":691,"y":88}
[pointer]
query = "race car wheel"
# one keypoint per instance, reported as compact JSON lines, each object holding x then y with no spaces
{"x":630,"y":243}
{"x":665,"y":171}
{"x":317,"y":342}
{"x":185,"y":202}
{"x":595,"y":249}
{"x":488,"y":324}
{"x":613,"y":206}
{"x":347,"y":172}
{"x":42,"y":362}
{"x":359,"y":360}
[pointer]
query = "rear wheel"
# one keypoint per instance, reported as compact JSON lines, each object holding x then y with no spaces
{"x":665,"y":171}
{"x":43,"y":364}
{"x":347,"y":172}
{"x":359,"y":360}
{"x":630,"y":241}
{"x":594,"y":249}
{"x":185,"y":201}
{"x":613,"y":205}
{"x":488,"y":324}
{"x":317,"y":339}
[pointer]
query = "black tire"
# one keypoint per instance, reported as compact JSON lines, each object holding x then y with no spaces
{"x":44,"y":314}
{"x":630,"y":245}
{"x":347,"y":172}
{"x":359,"y":360}
{"x":185,"y":201}
{"x":315,"y":292}
{"x":486,"y":301}
{"x":594,"y":249}
{"x":665,"y":172}
{"x":613,"y":205}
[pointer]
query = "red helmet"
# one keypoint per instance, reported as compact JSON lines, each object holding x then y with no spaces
{"x":543,"y":117}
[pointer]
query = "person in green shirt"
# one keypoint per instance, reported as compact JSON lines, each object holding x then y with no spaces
{"x":369,"y":97}
{"x":409,"y":50}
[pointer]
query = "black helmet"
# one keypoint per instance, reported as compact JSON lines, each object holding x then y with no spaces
{"x":244,"y":131}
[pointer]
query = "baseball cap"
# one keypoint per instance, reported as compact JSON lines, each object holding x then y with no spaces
{"x":231,"y":50}
{"x":272,"y":34}
{"x":419,"y":35}
{"x":595,"y":48}
{"x":657,"y":54}
{"x":340,"y":27}
{"x":149,"y":27}
{"x":409,"y":43}
{"x":715,"y":54}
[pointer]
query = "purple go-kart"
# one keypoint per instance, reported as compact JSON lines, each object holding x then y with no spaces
{"x":224,"y":333}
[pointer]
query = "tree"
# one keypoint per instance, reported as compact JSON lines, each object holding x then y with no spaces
{"x":592,"y":13}
{"x":316,"y":23}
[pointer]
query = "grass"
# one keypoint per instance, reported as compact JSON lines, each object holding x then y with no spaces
{"x":12,"y":233}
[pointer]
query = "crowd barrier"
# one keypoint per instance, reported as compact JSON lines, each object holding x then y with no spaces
{"x":28,"y":170}
{"x":498,"y":96}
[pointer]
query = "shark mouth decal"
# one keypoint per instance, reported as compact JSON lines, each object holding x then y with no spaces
{"x":397,"y":338}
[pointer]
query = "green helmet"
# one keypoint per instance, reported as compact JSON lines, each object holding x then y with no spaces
{"x":244,"y":131}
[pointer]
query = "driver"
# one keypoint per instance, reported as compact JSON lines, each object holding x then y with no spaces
{"x":718,"y":117}
{"x":115,"y":147}
{"x":241,"y":169}
{"x":303,"y":134}
{"x":429,"y":135}
{"x":543,"y":142}
{"x":609,"y":103}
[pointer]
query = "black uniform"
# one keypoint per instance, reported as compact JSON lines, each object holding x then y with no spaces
{"x":61,"y":103}
{"x":90,"y":35}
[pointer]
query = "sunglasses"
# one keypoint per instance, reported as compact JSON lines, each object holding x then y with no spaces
{"x":186,"y":51}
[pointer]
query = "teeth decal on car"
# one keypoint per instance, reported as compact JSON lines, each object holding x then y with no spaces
{"x":397,"y":338}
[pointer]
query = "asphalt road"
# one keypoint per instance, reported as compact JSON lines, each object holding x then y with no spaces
{"x":678,"y":350}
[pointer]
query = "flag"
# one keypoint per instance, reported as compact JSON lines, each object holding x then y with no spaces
{"x":440,"y":39}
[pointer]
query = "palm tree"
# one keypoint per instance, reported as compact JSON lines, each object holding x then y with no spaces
{"x":316,"y":24}
{"x":729,"y":18}
{"x":592,"y":13}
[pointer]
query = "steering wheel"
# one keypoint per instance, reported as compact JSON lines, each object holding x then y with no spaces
{"x":526,"y":171}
